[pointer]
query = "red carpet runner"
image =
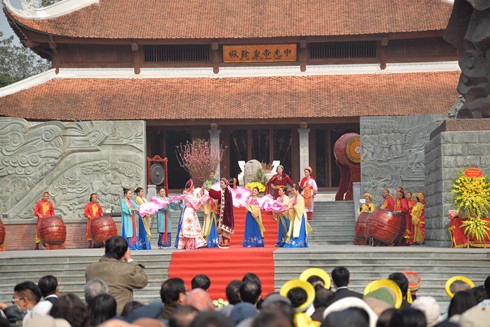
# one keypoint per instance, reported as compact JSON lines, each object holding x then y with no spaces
{"x":224,"y":265}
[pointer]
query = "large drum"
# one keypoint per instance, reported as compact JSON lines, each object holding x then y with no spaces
{"x":103,"y":228}
{"x":361,"y":228}
{"x":2,"y":233}
{"x":52,"y":231}
{"x":385,"y":227}
{"x":347,"y":149}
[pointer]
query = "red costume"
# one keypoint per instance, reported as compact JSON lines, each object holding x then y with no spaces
{"x":401,"y":206}
{"x":278,"y":180}
{"x":92,"y":210}
{"x":43,"y":209}
{"x":388,"y":203}
{"x":226,"y":221}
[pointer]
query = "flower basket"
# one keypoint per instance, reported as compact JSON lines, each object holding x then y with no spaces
{"x":475,"y":243}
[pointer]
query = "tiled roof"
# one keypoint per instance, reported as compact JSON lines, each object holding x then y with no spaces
{"x":276,"y":97}
{"x":191,"y":19}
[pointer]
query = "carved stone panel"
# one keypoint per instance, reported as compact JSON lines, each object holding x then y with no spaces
{"x":69,"y":160}
{"x":392,"y":152}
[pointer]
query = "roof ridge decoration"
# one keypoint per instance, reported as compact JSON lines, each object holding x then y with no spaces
{"x":32,"y":10}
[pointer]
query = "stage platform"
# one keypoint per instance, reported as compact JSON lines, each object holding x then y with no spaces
{"x":434,"y":265}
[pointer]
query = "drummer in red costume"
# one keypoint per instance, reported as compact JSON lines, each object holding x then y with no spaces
{"x":389,"y":202}
{"x":92,"y":210}
{"x":226,"y":223}
{"x":281,"y":179}
{"x":310,"y":189}
{"x":44,"y":209}
{"x":401,"y":206}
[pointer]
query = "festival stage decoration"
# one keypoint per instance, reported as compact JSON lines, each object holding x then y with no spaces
{"x":469,"y":225}
{"x":252,"y":185}
{"x":198,"y":158}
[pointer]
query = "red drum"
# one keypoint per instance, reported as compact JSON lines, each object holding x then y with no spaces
{"x":52,"y":231}
{"x":361,"y":228}
{"x":103,"y":228}
{"x":347,"y":149}
{"x":2,"y":232}
{"x":386,"y":227}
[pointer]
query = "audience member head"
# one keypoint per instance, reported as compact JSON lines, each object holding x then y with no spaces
{"x":242,"y":311}
{"x":201,"y":281}
{"x":251,"y":277}
{"x":462,"y":301}
{"x":429,"y":306}
{"x":173,"y":291}
{"x":385,"y":317}
{"x":233,"y":291}
{"x":351,"y":317}
{"x":297,"y":296}
{"x":340,"y":277}
{"x":130,"y":307}
{"x":72,"y":309}
{"x":48,"y":285}
{"x":95,"y":287}
{"x":278,"y":303}
{"x":199,"y":299}
{"x":323,"y":297}
{"x":250,"y":292}
{"x":182,"y":316}
{"x":116,"y":247}
{"x":270,"y":318}
{"x":315,"y":280}
{"x":102,"y":308}
{"x":487,"y":286}
{"x":408,"y":317}
{"x":479,"y":293}
{"x":211,"y":319}
{"x":26,"y":295}
{"x":401,"y":280}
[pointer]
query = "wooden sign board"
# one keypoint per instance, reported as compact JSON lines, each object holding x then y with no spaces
{"x":260,"y":53}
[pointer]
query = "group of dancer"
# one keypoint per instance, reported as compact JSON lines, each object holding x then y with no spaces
{"x":291,"y":214}
{"x":411,"y":205}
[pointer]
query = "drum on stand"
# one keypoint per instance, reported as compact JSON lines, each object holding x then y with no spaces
{"x":385,"y":228}
{"x":103,"y":228}
{"x":52,"y":231}
{"x":361,"y":228}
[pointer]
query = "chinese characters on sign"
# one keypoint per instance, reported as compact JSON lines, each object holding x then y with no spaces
{"x":259,"y":53}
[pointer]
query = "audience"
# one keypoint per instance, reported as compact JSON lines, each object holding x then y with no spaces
{"x":72,"y":309}
{"x":48,"y":285}
{"x":341,"y":280}
{"x":93,"y":288}
{"x":102,"y":308}
{"x":172,"y":293}
{"x":201,"y":281}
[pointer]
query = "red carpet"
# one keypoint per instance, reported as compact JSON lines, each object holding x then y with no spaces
{"x":224,"y":265}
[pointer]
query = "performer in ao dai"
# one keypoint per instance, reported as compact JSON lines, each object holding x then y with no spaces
{"x":190,"y":235}
{"x":282,"y":218}
{"x":299,"y":228}
{"x":254,"y":229}
{"x":310,"y":189}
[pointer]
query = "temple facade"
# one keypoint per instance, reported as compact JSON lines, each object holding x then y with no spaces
{"x":133,"y":79}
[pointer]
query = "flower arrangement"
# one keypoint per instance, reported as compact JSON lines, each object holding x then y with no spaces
{"x":218,"y":304}
{"x":198,"y":158}
{"x":258,"y":185}
{"x":472,"y":200}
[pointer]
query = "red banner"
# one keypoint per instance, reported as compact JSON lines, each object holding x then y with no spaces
{"x":473,"y":172}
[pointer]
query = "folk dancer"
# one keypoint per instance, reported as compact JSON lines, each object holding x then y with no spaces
{"x":190,"y":235}
{"x":211,"y":214}
{"x":310,"y":189}
{"x":299,"y":228}
{"x":226,"y":222}
{"x":254,"y":229}
{"x":164,"y":221}
{"x":422,"y":216}
{"x":132,"y":228}
{"x":140,"y":199}
{"x":368,"y":205}
{"x":43,"y":209}
{"x":282,"y":218}
{"x":281,"y":179}
{"x":93,"y":210}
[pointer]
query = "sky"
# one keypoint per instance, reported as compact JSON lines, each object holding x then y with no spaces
{"x":4,"y":25}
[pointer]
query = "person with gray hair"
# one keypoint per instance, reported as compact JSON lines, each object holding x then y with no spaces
{"x":93,"y":288}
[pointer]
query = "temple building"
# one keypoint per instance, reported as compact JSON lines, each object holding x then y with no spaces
{"x":268,"y":81}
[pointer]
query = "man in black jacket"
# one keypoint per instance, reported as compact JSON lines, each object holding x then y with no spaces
{"x":341,"y":279}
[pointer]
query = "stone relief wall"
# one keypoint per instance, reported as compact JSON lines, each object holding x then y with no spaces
{"x":392,"y":152}
{"x":70,"y":160}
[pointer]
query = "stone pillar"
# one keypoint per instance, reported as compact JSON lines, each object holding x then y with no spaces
{"x":214,"y":144}
{"x":357,"y":196}
{"x":304,"y":147}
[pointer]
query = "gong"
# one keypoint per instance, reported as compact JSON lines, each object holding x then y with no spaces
{"x":157,"y":174}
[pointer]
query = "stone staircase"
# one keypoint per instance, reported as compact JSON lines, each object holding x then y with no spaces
{"x":333,"y":223}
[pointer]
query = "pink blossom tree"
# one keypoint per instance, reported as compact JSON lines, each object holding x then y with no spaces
{"x":199,"y":159}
